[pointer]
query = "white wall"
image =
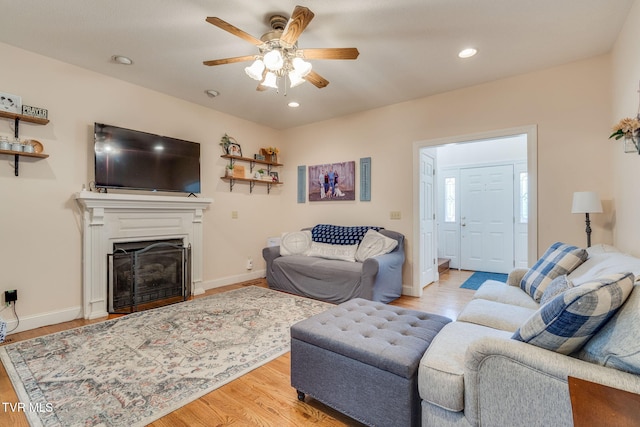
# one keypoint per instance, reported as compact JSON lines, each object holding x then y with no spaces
{"x":625,"y":207}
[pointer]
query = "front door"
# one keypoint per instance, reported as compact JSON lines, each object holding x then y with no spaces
{"x":486,"y":219}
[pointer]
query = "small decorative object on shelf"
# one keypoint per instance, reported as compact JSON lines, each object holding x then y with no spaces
{"x":225,"y":141}
{"x":38,"y":112}
{"x":258,"y":157}
{"x":270,"y":154}
{"x":235,"y":150}
{"x":10,"y":103}
{"x":629,"y":129}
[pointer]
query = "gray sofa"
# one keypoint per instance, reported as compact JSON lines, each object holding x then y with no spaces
{"x":377,"y":278}
{"x":475,"y":374}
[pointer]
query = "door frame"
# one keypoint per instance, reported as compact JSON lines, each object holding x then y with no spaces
{"x":532,"y":169}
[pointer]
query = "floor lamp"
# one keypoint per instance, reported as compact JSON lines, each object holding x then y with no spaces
{"x":586,"y":202}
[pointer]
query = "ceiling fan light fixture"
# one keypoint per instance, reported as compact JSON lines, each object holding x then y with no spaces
{"x":302,"y":67}
{"x":270,"y":80}
{"x":273,"y":60}
{"x":255,"y":70}
{"x":295,"y":79}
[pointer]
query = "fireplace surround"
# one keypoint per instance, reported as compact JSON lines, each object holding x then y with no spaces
{"x":110,"y":219}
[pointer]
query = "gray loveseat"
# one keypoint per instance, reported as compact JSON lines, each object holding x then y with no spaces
{"x":330,"y":274}
{"x":475,"y":374}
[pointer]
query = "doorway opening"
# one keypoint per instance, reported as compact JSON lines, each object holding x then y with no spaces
{"x":479,"y":208}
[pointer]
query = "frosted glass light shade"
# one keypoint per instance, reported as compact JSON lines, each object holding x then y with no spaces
{"x":255,"y":70}
{"x":295,"y":79}
{"x":586,"y":202}
{"x":270,"y":80}
{"x":273,"y":60}
{"x":301,"y":66}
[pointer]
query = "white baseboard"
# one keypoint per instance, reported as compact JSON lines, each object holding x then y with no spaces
{"x":230,"y":280}
{"x":40,"y":320}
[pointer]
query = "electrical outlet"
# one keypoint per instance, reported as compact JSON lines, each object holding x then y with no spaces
{"x":395,"y":215}
{"x":234,"y":214}
{"x":10,"y":296}
{"x":249,"y":264}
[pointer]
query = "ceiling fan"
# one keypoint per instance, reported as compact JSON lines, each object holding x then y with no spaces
{"x":279,"y":55}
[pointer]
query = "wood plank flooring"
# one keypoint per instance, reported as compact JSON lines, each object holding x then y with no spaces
{"x":264,"y":396}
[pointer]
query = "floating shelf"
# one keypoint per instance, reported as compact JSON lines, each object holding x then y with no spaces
{"x":22,"y":117}
{"x":252,"y":182}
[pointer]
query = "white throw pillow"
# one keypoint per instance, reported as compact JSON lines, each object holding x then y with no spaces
{"x":374,"y":244}
{"x":329,"y":251}
{"x":295,"y":243}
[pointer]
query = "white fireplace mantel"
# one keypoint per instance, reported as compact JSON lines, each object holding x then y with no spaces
{"x":112,"y":218}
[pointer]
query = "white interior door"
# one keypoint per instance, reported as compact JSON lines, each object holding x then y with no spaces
{"x":486,"y":219}
{"x":428,"y":259}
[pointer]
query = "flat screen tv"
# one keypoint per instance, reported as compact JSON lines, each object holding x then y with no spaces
{"x":134,"y":160}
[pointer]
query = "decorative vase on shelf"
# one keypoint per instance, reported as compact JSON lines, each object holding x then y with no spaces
{"x":630,"y":145}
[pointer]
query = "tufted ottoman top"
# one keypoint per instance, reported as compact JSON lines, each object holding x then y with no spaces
{"x":387,"y":337}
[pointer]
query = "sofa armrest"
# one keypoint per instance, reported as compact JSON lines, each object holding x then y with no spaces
{"x":270,"y":253}
{"x":508,"y":380}
{"x":383,"y":274}
{"x":515,"y":276}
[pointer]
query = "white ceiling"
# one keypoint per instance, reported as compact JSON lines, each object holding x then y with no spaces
{"x":408,"y":48}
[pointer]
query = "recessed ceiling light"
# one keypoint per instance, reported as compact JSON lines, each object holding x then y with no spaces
{"x":122,"y":60}
{"x":293,"y":104}
{"x":212,"y":93}
{"x":467,"y":53}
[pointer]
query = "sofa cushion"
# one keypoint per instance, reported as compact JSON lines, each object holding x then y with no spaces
{"x":559,"y":259}
{"x":441,"y":370}
{"x":601,"y":263}
{"x":617,"y":344}
{"x":340,"y":235}
{"x":564,"y":324}
{"x":555,"y":288}
{"x":328,"y":251}
{"x":493,"y":290}
{"x":374,"y":244}
{"x":295,"y":243}
{"x":505,"y":317}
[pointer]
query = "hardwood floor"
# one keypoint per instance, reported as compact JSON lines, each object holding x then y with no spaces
{"x":264,"y":396}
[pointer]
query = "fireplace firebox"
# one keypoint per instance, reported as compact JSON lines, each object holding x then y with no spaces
{"x":143,"y":275}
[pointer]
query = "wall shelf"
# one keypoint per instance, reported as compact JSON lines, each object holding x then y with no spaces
{"x":17,"y":154}
{"x":252,"y":182}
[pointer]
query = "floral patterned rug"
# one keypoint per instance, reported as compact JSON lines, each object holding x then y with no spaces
{"x":135,"y":369}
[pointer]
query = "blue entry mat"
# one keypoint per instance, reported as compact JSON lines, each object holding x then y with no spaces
{"x":479,"y":277}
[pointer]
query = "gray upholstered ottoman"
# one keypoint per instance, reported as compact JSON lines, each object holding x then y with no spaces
{"x":361,"y":358}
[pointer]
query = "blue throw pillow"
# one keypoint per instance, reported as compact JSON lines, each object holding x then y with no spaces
{"x":559,"y":259}
{"x":568,"y":321}
{"x":340,"y":235}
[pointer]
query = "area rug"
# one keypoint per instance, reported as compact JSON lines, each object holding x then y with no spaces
{"x":479,"y":277}
{"x":135,"y":369}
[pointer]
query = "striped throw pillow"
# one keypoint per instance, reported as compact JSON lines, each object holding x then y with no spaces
{"x":559,"y":259}
{"x":568,"y":321}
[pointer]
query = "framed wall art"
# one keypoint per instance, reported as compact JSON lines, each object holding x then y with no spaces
{"x":332,"y":182}
{"x":234,"y":149}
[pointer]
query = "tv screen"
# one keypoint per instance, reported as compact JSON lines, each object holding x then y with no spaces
{"x":135,"y":160}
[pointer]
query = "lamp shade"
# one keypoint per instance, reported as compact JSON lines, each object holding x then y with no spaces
{"x":586,"y":202}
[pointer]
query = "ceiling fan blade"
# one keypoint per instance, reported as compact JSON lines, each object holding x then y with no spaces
{"x":233,"y":30}
{"x":300,"y":18}
{"x":330,"y":53}
{"x":316,"y":79}
{"x":229,"y":60}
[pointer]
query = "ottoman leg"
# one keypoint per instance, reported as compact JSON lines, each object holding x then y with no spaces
{"x":301,"y":396}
